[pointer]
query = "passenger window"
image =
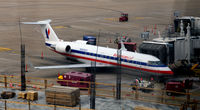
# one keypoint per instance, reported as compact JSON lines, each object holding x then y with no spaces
{"x":155,"y":63}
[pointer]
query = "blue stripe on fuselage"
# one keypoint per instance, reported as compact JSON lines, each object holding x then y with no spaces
{"x":47,"y":44}
{"x":115,"y":58}
{"x":111,"y":57}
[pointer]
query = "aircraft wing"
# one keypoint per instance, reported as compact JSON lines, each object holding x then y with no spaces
{"x":70,"y":66}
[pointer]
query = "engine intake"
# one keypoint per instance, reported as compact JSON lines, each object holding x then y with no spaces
{"x":63,"y":48}
{"x":68,"y":49}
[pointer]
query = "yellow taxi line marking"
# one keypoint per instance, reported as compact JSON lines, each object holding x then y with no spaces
{"x":112,"y":19}
{"x":4,"y":49}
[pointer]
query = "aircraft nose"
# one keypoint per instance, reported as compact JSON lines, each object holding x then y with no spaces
{"x":170,"y":71}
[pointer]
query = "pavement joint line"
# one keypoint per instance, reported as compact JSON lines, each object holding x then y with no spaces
{"x":139,"y":18}
{"x":59,"y":27}
{"x":116,"y":19}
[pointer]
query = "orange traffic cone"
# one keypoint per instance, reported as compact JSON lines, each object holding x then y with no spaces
{"x":26,"y":68}
{"x":155,"y":26}
{"x":42,"y":56}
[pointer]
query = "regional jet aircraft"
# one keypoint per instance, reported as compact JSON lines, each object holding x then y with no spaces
{"x":103,"y":56}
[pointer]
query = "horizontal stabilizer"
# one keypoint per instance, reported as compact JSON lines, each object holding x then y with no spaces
{"x":47,"y":31}
{"x":38,"y":22}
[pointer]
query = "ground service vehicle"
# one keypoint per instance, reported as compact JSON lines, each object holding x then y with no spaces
{"x":178,"y":86}
{"x":124,"y":17}
{"x":72,"y":78}
{"x":196,"y":69}
{"x":142,"y":85}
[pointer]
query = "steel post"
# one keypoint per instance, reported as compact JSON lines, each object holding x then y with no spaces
{"x":23,"y":77}
{"x":93,"y":86}
{"x":118,"y":80}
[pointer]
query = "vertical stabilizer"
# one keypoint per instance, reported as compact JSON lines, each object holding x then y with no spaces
{"x":47,"y":30}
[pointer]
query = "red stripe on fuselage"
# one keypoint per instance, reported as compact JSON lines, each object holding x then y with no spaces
{"x":107,"y":62}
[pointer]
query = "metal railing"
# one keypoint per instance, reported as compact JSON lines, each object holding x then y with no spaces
{"x":109,"y":90}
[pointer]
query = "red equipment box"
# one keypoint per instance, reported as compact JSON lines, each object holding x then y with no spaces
{"x":72,"y":78}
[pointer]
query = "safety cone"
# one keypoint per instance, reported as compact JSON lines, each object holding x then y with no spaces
{"x":26,"y":68}
{"x":155,"y":26}
{"x":42,"y":56}
{"x":154,"y":32}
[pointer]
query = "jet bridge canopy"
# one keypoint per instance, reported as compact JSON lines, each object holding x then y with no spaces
{"x":158,"y":50}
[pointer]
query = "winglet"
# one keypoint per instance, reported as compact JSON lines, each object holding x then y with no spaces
{"x":122,"y":45}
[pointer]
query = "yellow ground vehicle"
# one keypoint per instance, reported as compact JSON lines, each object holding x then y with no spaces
{"x":196,"y":69}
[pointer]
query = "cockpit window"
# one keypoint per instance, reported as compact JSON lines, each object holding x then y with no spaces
{"x":155,"y":63}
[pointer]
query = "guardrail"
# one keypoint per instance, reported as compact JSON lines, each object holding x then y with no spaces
{"x":29,"y":104}
{"x":108,"y":90}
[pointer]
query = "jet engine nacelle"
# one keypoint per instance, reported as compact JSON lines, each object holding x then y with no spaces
{"x":63,"y":48}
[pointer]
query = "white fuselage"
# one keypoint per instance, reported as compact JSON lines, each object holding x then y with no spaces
{"x":133,"y":60}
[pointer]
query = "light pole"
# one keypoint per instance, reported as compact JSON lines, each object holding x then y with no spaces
{"x":118,"y":80}
{"x":23,"y":77}
{"x":93,"y":79}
